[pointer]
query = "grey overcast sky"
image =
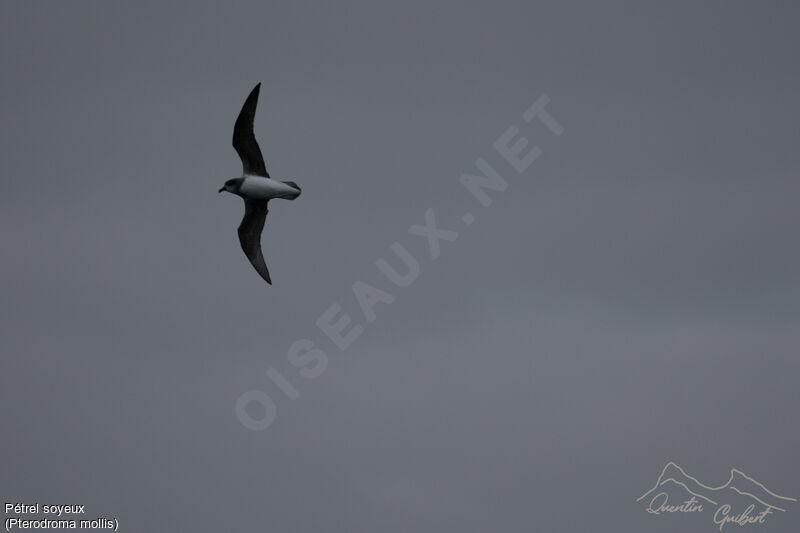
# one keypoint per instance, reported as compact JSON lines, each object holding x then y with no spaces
{"x":632,"y":298}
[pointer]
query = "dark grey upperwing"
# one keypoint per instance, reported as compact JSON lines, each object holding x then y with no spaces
{"x":255,"y":212}
{"x":244,"y":140}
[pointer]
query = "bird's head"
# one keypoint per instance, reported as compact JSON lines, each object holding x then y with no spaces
{"x":232,"y":185}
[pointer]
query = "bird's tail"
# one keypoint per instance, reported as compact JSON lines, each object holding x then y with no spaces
{"x":295,"y":186}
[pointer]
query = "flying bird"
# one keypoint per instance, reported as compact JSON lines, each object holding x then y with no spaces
{"x":255,"y":185}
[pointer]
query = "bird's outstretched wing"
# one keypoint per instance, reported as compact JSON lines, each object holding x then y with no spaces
{"x":255,"y":212}
{"x":244,"y":140}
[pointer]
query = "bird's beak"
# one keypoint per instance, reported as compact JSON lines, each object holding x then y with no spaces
{"x":222,"y":189}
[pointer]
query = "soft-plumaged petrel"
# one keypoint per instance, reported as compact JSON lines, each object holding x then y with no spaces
{"x":254,"y":186}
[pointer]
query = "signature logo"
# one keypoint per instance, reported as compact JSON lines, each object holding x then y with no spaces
{"x":741,"y":501}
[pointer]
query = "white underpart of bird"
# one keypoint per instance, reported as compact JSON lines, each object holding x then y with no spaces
{"x":258,"y":187}
{"x":255,"y":185}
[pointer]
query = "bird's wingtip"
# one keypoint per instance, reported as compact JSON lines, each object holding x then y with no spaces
{"x":254,"y":92}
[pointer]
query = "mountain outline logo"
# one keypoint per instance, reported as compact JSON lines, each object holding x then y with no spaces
{"x":741,"y":500}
